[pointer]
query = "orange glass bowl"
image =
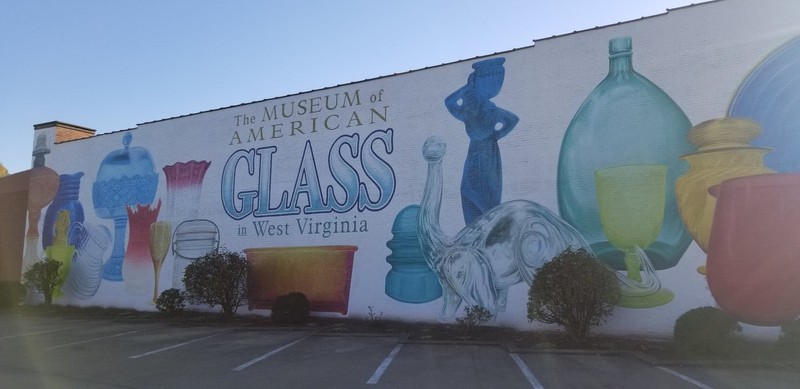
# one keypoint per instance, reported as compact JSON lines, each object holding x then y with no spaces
{"x":322,"y":273}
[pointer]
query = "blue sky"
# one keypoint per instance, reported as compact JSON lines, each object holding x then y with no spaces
{"x":111,"y":64}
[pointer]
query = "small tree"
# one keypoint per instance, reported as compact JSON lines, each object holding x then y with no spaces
{"x":218,"y":278}
{"x":43,"y":277}
{"x":575,"y":291}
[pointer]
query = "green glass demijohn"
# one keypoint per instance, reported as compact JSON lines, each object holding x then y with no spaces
{"x":626,"y":121}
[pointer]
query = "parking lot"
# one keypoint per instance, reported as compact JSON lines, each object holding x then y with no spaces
{"x":55,"y":352}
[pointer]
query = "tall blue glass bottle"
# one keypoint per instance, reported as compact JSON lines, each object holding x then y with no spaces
{"x":625,"y":120}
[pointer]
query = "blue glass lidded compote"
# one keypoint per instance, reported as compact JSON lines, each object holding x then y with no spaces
{"x":126,"y":177}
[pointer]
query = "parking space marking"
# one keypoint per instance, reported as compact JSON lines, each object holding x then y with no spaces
{"x":173,"y":346}
{"x":685,"y":378}
{"x":37,"y":333}
{"x":384,"y":365}
{"x":526,"y":371}
{"x":93,"y":339}
{"x":269,"y":354}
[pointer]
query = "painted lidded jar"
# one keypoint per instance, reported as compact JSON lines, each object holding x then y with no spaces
{"x":625,"y":121}
{"x":126,"y":177}
{"x":723,"y":152}
{"x":192,"y":240}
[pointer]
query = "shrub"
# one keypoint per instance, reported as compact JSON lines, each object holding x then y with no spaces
{"x":171,"y":301}
{"x":292,"y":308}
{"x":706,"y":330}
{"x":375,"y":317}
{"x":575,"y":291}
{"x":11,"y":294}
{"x":474,"y":317}
{"x":43,"y":277}
{"x":218,"y":278}
{"x":790,"y":335}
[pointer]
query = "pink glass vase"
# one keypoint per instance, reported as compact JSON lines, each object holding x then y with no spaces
{"x":184,"y":183}
{"x":137,"y":269}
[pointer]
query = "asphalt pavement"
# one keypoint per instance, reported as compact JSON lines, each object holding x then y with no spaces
{"x":61,"y":352}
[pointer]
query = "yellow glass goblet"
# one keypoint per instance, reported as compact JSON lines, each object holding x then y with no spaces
{"x":631,"y":200}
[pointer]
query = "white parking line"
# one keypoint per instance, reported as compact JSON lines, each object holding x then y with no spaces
{"x":37,"y":333}
{"x":93,"y":339}
{"x":384,"y":365}
{"x":173,"y":346}
{"x":685,"y":378}
{"x":269,"y":354}
{"x":526,"y":371}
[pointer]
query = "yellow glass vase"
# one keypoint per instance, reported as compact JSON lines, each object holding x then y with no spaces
{"x":723,"y":152}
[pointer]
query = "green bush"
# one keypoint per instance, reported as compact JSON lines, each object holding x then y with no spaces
{"x":706,"y":331}
{"x":11,"y":294}
{"x":171,"y":301}
{"x":43,"y":277}
{"x":573,"y":290}
{"x":292,"y":308}
{"x":218,"y":278}
{"x":474,"y":317}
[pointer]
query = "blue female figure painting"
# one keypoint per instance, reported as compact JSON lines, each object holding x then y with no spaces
{"x":485,"y":123}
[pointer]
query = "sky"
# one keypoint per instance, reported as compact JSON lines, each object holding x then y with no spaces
{"x":112,"y":64}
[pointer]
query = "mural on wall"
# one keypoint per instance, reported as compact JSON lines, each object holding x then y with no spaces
{"x":485,"y":124}
{"x":756,"y":214}
{"x":502,"y":247}
{"x":625,"y":122}
{"x":320,"y":189}
{"x":126,"y":177}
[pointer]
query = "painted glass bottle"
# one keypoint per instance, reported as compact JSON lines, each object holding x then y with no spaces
{"x":66,"y":200}
{"x":626,"y":120}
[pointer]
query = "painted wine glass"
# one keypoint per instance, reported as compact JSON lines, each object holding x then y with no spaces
{"x":631,"y":199}
{"x":160,"y":239}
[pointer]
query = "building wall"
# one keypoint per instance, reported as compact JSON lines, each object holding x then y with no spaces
{"x":300,"y":183}
{"x":13,"y":209}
